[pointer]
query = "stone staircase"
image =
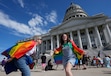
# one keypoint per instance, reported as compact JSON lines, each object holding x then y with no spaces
{"x":108,"y":46}
{"x":94,"y":52}
{"x":107,"y":52}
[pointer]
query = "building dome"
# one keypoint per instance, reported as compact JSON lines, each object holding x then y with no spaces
{"x":75,"y":11}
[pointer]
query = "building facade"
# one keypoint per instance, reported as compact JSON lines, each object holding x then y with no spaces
{"x":86,"y":31}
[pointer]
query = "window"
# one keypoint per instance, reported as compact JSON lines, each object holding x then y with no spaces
{"x":77,"y":15}
{"x":75,"y":34}
{"x":74,"y":16}
{"x":82,"y":33}
{"x":90,"y":32}
{"x":80,"y":15}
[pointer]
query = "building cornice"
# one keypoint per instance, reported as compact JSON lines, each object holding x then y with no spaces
{"x":88,"y":20}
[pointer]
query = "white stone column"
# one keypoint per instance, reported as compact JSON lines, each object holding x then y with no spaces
{"x":46,"y":45}
{"x":98,"y":36}
{"x":37,"y":52}
{"x":57,"y":40}
{"x":109,"y":32}
{"x":79,"y":36}
{"x":42,"y":47}
{"x":71,"y":36}
{"x":51,"y":42}
{"x":88,"y":37}
{"x":54,"y":42}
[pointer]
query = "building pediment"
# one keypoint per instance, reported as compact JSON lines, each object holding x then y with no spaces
{"x":76,"y":23}
{"x":70,"y":23}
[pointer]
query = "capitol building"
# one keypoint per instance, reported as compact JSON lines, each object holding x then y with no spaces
{"x":88,"y":32}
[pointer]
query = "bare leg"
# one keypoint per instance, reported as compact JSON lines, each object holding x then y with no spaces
{"x":56,"y":66}
{"x":84,"y":67}
{"x":68,"y":69}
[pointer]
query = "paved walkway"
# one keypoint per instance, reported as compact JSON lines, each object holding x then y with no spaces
{"x":60,"y":72}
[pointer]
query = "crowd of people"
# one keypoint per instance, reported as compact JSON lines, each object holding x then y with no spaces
{"x":95,"y":61}
{"x":83,"y":63}
{"x":69,"y":60}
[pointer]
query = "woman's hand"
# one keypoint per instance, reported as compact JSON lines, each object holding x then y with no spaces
{"x":10,"y":59}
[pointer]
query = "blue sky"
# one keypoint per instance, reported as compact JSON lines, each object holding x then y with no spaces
{"x":20,"y":19}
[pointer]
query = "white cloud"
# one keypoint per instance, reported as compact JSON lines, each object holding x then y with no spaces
{"x":38,"y":31}
{"x":21,"y":28}
{"x":1,"y":56}
{"x":43,"y":5}
{"x":34,"y":26}
{"x":37,"y":20}
{"x":21,"y":3}
{"x":4,"y":5}
{"x":41,"y":21}
{"x":52,"y":17}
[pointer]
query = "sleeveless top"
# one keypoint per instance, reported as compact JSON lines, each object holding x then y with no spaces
{"x":67,"y":51}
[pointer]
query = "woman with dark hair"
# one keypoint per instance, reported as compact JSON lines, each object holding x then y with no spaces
{"x":69,"y":57}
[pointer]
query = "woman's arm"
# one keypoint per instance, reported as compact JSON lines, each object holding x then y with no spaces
{"x":58,"y":50}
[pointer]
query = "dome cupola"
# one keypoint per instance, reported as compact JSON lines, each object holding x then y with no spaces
{"x":74,"y":11}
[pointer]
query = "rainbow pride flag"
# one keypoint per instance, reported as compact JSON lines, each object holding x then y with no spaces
{"x":58,"y":58}
{"x":19,"y":49}
{"x":58,"y":53}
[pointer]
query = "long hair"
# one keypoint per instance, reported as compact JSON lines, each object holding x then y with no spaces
{"x":61,"y":39}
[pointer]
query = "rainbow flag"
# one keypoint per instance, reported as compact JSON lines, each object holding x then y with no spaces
{"x":58,"y":53}
{"x":19,"y":49}
{"x":58,"y":58}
